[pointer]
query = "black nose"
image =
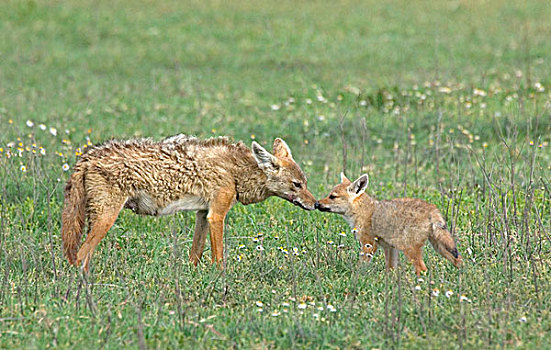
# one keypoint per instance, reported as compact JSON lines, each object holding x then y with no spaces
{"x":317,"y":205}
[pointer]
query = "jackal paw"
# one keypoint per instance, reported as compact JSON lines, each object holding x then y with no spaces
{"x":83,"y":261}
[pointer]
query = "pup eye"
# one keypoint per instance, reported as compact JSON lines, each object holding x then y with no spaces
{"x":332,"y":196}
{"x":297,"y":184}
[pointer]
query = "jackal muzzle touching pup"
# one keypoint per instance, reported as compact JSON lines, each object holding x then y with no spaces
{"x":400,"y":224}
{"x":177,"y":173}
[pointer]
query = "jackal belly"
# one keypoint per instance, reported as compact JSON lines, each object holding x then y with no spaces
{"x":145,"y":204}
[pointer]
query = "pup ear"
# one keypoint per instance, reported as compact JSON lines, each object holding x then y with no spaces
{"x":281,"y":150}
{"x":265,"y":160}
{"x":344,"y":179}
{"x":358,"y":187}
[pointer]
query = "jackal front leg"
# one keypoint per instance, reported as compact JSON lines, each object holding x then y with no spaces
{"x":369,"y":247}
{"x":391,"y":257}
{"x":199,"y":236}
{"x":218,"y":210}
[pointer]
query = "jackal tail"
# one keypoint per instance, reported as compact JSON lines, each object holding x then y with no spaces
{"x":442,"y":241}
{"x":74,"y":214}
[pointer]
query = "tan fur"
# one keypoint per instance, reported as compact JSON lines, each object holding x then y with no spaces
{"x":177,"y":173}
{"x":399,"y":224}
{"x":73,"y":216}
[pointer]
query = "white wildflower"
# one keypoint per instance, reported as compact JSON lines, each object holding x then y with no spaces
{"x":479,"y":92}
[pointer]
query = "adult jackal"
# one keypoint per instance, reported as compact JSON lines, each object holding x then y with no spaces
{"x":177,"y":173}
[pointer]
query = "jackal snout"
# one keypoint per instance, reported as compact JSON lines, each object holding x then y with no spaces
{"x":322,"y":207}
{"x":303,"y":199}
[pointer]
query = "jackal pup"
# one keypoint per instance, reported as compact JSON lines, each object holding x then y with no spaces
{"x":399,"y":224}
{"x":177,"y":173}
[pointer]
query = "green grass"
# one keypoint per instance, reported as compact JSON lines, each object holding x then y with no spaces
{"x":445,"y":101}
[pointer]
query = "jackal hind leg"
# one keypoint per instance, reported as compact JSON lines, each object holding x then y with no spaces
{"x":199,"y":236}
{"x":415,"y":255}
{"x":102,"y":216}
{"x":218,"y":210}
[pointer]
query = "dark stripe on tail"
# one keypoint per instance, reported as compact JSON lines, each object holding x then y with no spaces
{"x":454,"y":252}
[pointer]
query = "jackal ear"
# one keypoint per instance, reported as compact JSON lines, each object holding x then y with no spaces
{"x":344,"y":179}
{"x":281,"y":149}
{"x":358,"y":187}
{"x":265,"y":160}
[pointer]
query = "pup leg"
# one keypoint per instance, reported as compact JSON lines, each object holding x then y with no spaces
{"x":369,"y":247}
{"x":391,"y":257}
{"x":199,"y":236}
{"x":415,"y":255}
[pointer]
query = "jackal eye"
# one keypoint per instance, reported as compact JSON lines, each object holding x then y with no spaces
{"x":332,"y":196}
{"x":297,"y":184}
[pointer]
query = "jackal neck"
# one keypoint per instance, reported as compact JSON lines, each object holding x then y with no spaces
{"x":250,"y":180}
{"x":362,"y":212}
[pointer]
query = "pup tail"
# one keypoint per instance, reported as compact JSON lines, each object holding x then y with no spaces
{"x":74,"y":213}
{"x":442,"y":241}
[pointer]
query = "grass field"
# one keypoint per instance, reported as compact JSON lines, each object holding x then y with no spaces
{"x":447,"y":101}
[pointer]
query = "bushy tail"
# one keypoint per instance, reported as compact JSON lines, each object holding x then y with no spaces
{"x":442,"y":241}
{"x":73,"y":216}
